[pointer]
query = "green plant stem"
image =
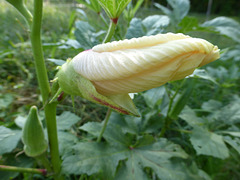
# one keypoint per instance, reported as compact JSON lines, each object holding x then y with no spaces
{"x":38,"y":52}
{"x":103,"y":19}
{"x":110,"y":32}
{"x":23,"y":170}
{"x":44,"y":161}
{"x":20,"y":6}
{"x":26,"y":14}
{"x":50,"y":114}
{"x":168,"y":120}
{"x":104,"y":125}
{"x":50,"y":109}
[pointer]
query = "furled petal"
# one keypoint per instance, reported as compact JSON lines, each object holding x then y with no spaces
{"x":139,"y":64}
{"x":75,"y":84}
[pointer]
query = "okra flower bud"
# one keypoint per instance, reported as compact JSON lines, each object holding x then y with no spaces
{"x":33,"y":137}
{"x":139,"y":64}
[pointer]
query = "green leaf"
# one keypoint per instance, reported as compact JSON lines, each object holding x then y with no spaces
{"x":232,"y":133}
{"x":5,"y":100}
{"x":114,"y":8}
{"x":189,"y":24}
{"x":152,"y":122}
{"x":131,"y":170}
{"x":155,"y":156}
{"x":211,"y":105}
{"x":58,"y":62}
{"x":91,"y":157}
{"x":203,"y":74}
{"x":86,"y":35}
{"x":154,"y":96}
{"x":208,"y":143}
{"x":179,"y":10}
{"x":20,"y":121}
{"x":189,"y":170}
{"x":66,"y":141}
{"x":234,"y":142}
{"x":71,"y":43}
{"x":135,"y":29}
{"x":128,"y":124}
{"x":113,"y":133}
{"x":232,"y":53}
{"x":163,"y":8}
{"x":66,"y":120}
{"x":93,"y":128}
{"x":190,"y":117}
{"x":225,"y":26}
{"x":8,"y":139}
{"x":151,"y":25}
{"x":229,"y":114}
{"x":155,"y":24}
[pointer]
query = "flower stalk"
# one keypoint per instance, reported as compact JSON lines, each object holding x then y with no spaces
{"x":110,"y":32}
{"x":104,"y":125}
{"x":23,"y":170}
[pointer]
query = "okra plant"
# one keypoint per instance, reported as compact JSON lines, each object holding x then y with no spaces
{"x":132,"y":72}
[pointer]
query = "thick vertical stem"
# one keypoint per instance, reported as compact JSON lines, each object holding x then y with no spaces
{"x":38,"y":52}
{"x":50,"y":109}
{"x":50,"y":114}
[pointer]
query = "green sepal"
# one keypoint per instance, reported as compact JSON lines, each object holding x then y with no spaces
{"x":33,"y":137}
{"x":74,"y":84}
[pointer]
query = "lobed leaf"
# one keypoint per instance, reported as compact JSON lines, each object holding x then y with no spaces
{"x":66,"y":120}
{"x":154,"y":96}
{"x":180,"y":9}
{"x":151,"y":25}
{"x":225,"y":26}
{"x":91,"y":157}
{"x":157,"y":157}
{"x":234,"y":142}
{"x":208,"y":143}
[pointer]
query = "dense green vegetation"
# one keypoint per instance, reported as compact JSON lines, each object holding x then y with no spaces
{"x":200,"y":140}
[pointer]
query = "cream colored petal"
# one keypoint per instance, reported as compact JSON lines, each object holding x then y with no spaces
{"x":139,"y":64}
{"x":142,"y":42}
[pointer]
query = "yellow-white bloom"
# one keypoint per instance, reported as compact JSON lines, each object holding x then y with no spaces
{"x":139,"y":64}
{"x":107,"y":73}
